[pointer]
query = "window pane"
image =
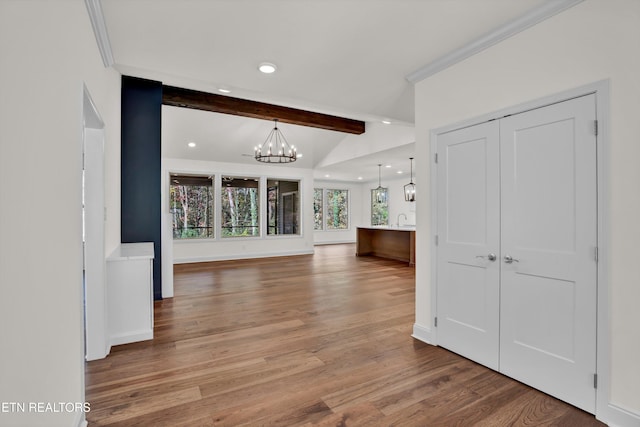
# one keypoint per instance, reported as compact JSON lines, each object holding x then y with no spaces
{"x":317,"y":209}
{"x":191,"y":206}
{"x":240,"y":207}
{"x":337,"y":209}
{"x":379,"y":207}
{"x":283,"y":215}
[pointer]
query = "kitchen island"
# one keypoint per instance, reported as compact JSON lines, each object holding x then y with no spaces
{"x":398,"y":243}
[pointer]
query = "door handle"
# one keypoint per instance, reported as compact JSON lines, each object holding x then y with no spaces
{"x":490,"y":257}
{"x":509,"y":259}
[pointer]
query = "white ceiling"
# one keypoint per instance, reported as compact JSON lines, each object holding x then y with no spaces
{"x":340,"y":57}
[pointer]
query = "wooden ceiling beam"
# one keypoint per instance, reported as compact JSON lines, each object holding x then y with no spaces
{"x":187,"y":98}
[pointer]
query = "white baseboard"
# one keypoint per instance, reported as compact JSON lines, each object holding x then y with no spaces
{"x":615,"y":416}
{"x":333,"y":242}
{"x":81,"y":421}
{"x":231,"y":257}
{"x":95,"y":356}
{"x":131,"y":337}
{"x":423,"y":334}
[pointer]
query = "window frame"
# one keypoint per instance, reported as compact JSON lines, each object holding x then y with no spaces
{"x":216,"y":178}
{"x":385,"y":204}
{"x":300,"y":211}
{"x":322,"y":216}
{"x":261,"y":199}
{"x":325,"y":210}
{"x":213,"y":206}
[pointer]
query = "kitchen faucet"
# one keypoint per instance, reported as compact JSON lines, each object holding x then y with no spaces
{"x":398,"y":219}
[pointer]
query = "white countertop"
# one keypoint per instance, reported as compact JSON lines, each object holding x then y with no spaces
{"x":392,"y":227}
{"x":128,"y":251}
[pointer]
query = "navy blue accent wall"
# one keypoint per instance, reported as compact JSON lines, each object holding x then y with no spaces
{"x":140,"y":176}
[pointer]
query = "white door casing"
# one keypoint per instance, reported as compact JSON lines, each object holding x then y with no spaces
{"x":95,"y":312}
{"x":534,"y":200}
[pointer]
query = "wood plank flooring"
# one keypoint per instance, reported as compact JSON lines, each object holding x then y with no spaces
{"x":312,"y":340}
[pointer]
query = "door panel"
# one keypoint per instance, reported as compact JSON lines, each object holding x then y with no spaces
{"x":542,"y":159}
{"x":549,"y":224}
{"x":468,"y":231}
{"x":523,"y":188}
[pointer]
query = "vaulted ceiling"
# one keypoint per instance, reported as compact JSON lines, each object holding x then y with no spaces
{"x":348,"y":58}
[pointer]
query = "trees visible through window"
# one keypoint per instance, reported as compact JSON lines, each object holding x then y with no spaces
{"x":191,"y":206}
{"x":337,"y":209}
{"x":318,"y":223}
{"x":283,"y":212}
{"x":379,"y":207}
{"x":240,"y":204}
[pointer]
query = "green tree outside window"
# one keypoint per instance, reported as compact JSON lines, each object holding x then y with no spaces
{"x":337,"y":209}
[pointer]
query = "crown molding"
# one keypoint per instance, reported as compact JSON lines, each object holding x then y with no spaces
{"x":94,"y":7}
{"x":529,"y":19}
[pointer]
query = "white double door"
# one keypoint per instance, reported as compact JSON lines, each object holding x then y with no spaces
{"x":517,"y":231}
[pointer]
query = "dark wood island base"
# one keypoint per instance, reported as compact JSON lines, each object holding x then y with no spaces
{"x":386,"y":242}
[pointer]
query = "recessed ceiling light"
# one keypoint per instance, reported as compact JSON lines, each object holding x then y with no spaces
{"x":267,"y":67}
{"x":191,"y":144}
{"x":386,"y":122}
{"x":399,"y":172}
{"x":224,"y":90}
{"x":360,"y":178}
{"x":299,"y":155}
{"x":327,"y":176}
{"x":387,"y":166}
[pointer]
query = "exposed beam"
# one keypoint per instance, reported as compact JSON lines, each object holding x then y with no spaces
{"x":187,"y":98}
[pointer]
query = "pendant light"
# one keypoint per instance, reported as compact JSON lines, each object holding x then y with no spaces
{"x":275,"y":148}
{"x":410,"y":188}
{"x":380,"y":193}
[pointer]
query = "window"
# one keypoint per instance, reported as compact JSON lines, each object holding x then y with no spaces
{"x":379,"y":207}
{"x":337,"y":213}
{"x":283,"y":212}
{"x":318,"y":224}
{"x":240,"y":203}
{"x":191,"y":206}
{"x":330,"y":209}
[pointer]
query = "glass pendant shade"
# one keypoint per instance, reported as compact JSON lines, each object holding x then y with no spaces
{"x":410,"y":188}
{"x":380,"y":193}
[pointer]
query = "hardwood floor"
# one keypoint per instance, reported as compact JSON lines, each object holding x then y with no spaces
{"x":322,"y":340}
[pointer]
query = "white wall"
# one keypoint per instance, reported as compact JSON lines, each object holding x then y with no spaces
{"x":246,"y":247}
{"x":355,"y":213}
{"x":397,"y":204}
{"x":378,"y":137}
{"x":48,"y":50}
{"x":591,"y":41}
